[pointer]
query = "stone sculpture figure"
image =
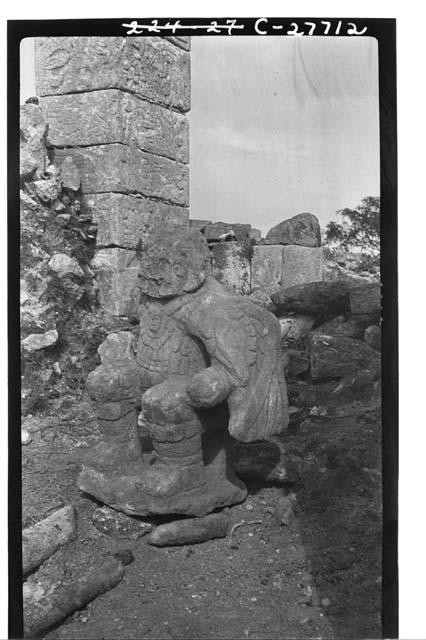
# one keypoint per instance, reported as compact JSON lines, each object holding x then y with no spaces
{"x":207,"y":369}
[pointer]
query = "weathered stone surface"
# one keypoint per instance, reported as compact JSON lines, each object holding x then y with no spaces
{"x":264,"y":461}
{"x":262,"y":297}
{"x":117,"y":525}
{"x":214,"y":231}
{"x":117,"y":167}
{"x":116,"y":272}
{"x":64,"y":265}
{"x":198,"y":347}
{"x":366,"y":298}
{"x":70,"y":175}
{"x":32,"y":141}
{"x":37,"y":341}
{"x":266,"y":266}
{"x":284,"y":510}
{"x":117,"y":346}
{"x":344,"y":325}
{"x":335,"y":357}
{"x":296,"y":362}
{"x":302,"y":264}
{"x":124,"y":219}
{"x":147,"y":66}
{"x":231,"y":266}
{"x":198,"y":224}
{"x":294,"y":328}
{"x":314,"y":298}
{"x":190,"y":531}
{"x":48,"y":188}
{"x":303,"y":230}
{"x":373,"y":337}
{"x":105,"y":117}
{"x":46,"y":536}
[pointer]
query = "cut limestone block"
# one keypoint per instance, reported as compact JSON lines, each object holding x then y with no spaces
{"x":116,"y":272}
{"x":231,"y":266}
{"x":302,"y":264}
{"x":150,"y":67}
{"x":45,"y":537}
{"x":117,"y":167}
{"x":266,"y":266}
{"x":104,"y":117}
{"x":124,"y":219}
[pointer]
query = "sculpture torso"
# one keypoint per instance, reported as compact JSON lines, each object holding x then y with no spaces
{"x":164,"y":347}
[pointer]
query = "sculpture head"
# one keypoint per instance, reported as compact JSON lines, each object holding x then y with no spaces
{"x":172,"y":262}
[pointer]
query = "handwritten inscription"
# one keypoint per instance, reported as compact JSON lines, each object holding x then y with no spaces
{"x":262,"y":27}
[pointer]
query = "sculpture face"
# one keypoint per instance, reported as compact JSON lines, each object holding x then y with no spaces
{"x":172,"y":263}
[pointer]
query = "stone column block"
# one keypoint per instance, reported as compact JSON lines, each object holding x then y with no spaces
{"x":117,"y":167}
{"x":122,"y":220}
{"x":116,"y":271}
{"x":150,"y":67}
{"x":231,"y":266}
{"x":266,"y":266}
{"x":105,"y":117}
{"x":302,"y":264}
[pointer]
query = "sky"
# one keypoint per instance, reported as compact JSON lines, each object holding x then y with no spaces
{"x":282,"y":125}
{"x":278,"y":126}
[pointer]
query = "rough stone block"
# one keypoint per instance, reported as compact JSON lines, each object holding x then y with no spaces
{"x":302,"y":264}
{"x":255,"y":234}
{"x":122,"y":220}
{"x":366,"y":298}
{"x":150,"y":67}
{"x":116,"y":272}
{"x":303,"y":229}
{"x":213,"y":232}
{"x":105,"y":117}
{"x":266,"y":266}
{"x":198,"y":224}
{"x":117,"y":167}
{"x":337,"y":356}
{"x":231,"y":266}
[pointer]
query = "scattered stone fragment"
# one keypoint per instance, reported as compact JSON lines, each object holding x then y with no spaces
{"x":302,"y":229}
{"x":118,"y":525}
{"x":49,"y":188}
{"x":46,"y":605}
{"x":335,"y":357}
{"x":326,"y":299}
{"x":32,"y":146}
{"x":372,"y":336}
{"x":190,"y":530}
{"x":366,"y":298}
{"x":37,"y":341}
{"x":296,"y":362}
{"x":283,"y":511}
{"x":64,"y":265}
{"x":25,"y":437}
{"x":45,"y":537}
{"x":325,"y":603}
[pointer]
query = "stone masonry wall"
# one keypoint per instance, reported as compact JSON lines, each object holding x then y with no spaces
{"x":116,"y":110}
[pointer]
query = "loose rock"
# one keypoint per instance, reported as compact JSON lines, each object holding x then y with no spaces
{"x":302,"y":229}
{"x":118,"y":525}
{"x":372,"y":336}
{"x":38,"y":341}
{"x":366,"y":298}
{"x":283,"y":511}
{"x":335,"y":357}
{"x":190,"y":531}
{"x":63,"y":265}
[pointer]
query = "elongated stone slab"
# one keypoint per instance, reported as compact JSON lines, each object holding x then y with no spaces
{"x":117,"y":167}
{"x":266,"y":266}
{"x":122,"y":220}
{"x":150,"y":67}
{"x":116,"y":272}
{"x":302,"y":264}
{"x":105,"y":117}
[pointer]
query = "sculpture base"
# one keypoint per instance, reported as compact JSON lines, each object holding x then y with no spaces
{"x":122,"y":489}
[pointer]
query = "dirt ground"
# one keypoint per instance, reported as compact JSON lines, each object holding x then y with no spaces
{"x":319,"y":577}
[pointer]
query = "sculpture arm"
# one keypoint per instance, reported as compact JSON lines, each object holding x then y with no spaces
{"x":209,"y":387}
